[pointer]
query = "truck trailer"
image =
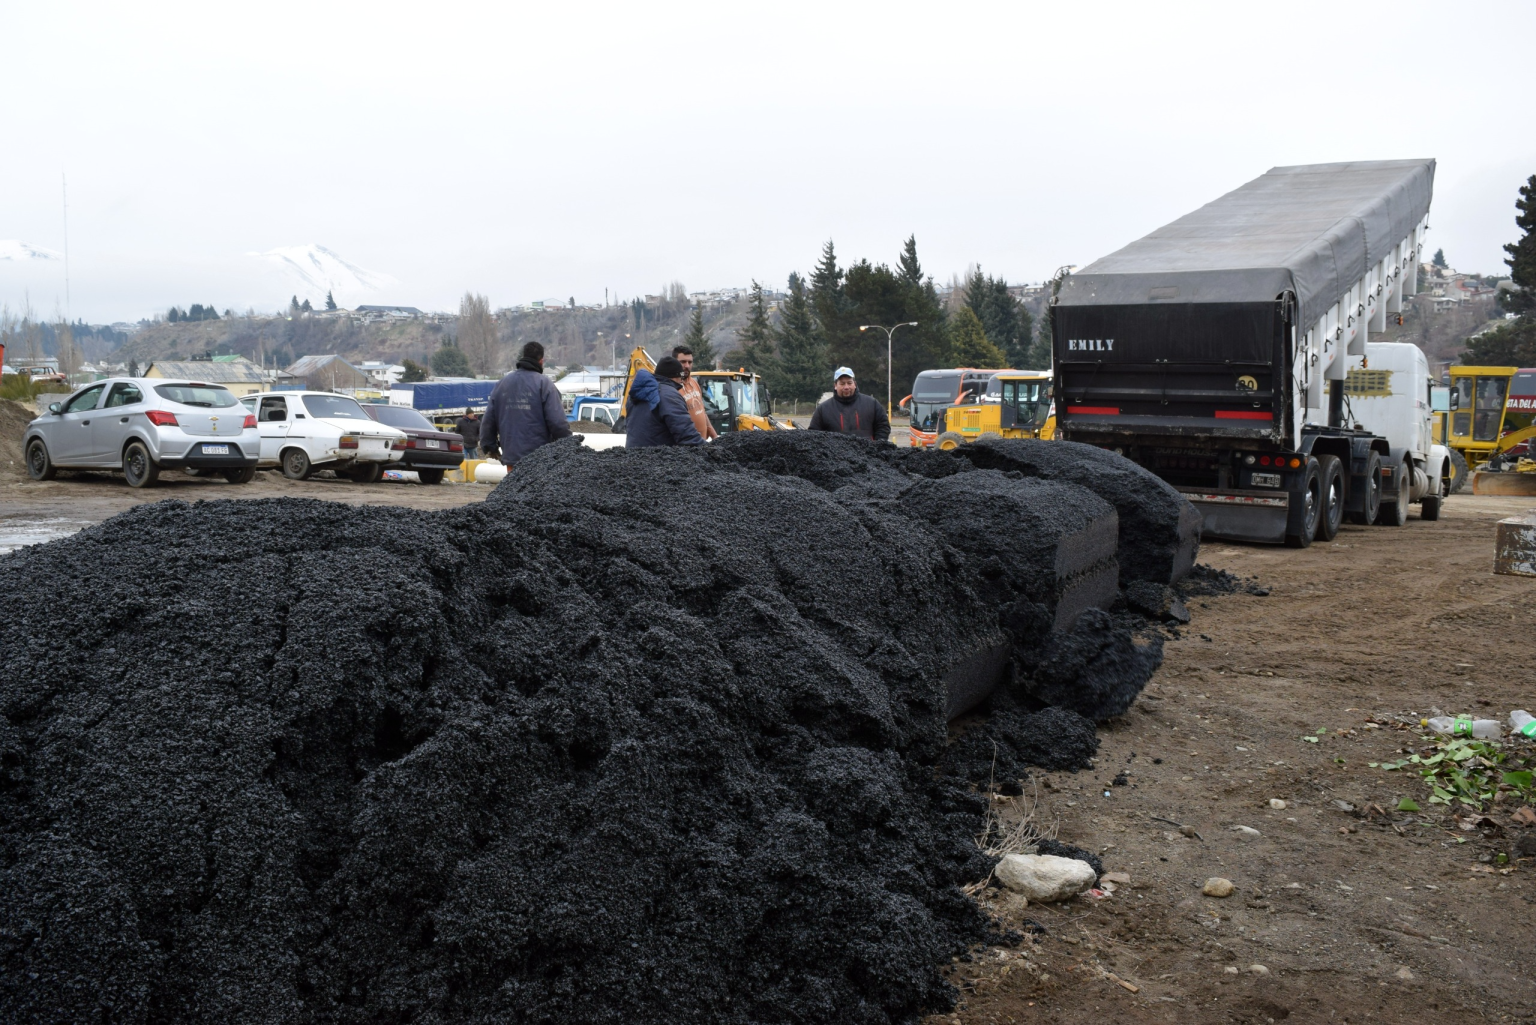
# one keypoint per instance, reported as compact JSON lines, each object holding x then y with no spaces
{"x":1215,"y":353}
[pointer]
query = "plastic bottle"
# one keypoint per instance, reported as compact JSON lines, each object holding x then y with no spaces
{"x":1465,"y":726}
{"x":1523,"y":723}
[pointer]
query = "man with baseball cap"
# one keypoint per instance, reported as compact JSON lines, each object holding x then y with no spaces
{"x":849,"y":412}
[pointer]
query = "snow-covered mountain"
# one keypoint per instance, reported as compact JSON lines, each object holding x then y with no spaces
{"x":314,"y":270}
{"x":14,"y":249}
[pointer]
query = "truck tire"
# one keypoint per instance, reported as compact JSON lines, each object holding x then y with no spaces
{"x":949,"y":441}
{"x":1311,"y":496}
{"x":1331,"y":474}
{"x":138,"y":468}
{"x":1372,"y":492}
{"x":296,"y":465}
{"x":39,"y":463}
{"x":1459,"y":472}
{"x":1429,"y":507}
{"x":1394,"y":513}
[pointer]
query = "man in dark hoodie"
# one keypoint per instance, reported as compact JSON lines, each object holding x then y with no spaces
{"x":658,"y":414}
{"x":524,"y":411}
{"x":848,"y":412}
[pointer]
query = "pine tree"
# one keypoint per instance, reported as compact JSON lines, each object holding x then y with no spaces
{"x":704,"y":357}
{"x":1007,"y":323}
{"x":306,"y":307}
{"x":1439,"y":260}
{"x":754,"y":341}
{"x":413,"y":372}
{"x":210,"y":312}
{"x":173,"y":315}
{"x":830,"y":306}
{"x":293,"y":308}
{"x":1522,"y":256}
{"x":450,"y":361}
{"x":330,"y":303}
{"x":969,"y":346}
{"x":925,"y":347}
{"x":803,"y":371}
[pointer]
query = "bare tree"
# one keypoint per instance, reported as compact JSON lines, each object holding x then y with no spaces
{"x":64,"y":343}
{"x":477,"y":332}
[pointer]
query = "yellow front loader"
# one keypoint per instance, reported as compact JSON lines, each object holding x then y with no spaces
{"x":1493,"y":411}
{"x":1022,"y":410}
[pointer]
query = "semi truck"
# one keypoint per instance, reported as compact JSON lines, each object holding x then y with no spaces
{"x":1216,"y":352}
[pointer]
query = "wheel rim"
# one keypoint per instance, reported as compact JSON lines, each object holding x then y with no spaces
{"x":36,"y":459}
{"x":1334,"y":498}
{"x":133,"y":467}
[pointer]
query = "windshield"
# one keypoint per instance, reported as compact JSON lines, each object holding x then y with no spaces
{"x":931,"y":392}
{"x":208,"y":395}
{"x":1030,"y":400}
{"x":399,"y":416}
{"x":334,"y":407}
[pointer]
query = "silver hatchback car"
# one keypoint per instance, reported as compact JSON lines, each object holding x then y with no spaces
{"x":144,"y":425}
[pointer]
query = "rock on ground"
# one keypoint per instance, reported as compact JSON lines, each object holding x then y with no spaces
{"x":1044,"y":877}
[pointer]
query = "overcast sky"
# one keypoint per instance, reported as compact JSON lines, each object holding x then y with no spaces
{"x":530,"y":151}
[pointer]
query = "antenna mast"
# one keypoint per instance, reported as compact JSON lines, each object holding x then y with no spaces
{"x":64,"y":182}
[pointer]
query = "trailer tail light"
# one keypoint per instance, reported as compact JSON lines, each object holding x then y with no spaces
{"x":1295,"y":463}
{"x":250,"y":421}
{"x":348,"y":441}
{"x":160,"y":418}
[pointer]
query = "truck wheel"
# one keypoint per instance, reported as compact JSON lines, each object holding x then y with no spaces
{"x":1459,"y":472}
{"x":296,"y":464}
{"x":433,"y":476}
{"x":242,"y":476}
{"x":1372,"y":492}
{"x":138,"y":468}
{"x":1394,"y":513}
{"x":1429,"y":507}
{"x":39,"y":465}
{"x":949,"y":441}
{"x":1331,"y":475}
{"x":1311,"y":496}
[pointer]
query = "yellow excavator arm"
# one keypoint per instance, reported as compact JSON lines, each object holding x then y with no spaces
{"x":639,"y":359}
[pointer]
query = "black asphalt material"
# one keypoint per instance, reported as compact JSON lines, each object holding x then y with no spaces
{"x":644,"y":737}
{"x":1159,"y":529}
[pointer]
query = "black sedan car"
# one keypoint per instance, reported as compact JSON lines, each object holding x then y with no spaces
{"x":425,"y":449}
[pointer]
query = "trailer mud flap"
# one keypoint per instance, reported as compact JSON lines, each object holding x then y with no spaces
{"x":1242,"y":515}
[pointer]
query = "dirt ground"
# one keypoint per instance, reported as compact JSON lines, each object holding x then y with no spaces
{"x":1342,"y":912}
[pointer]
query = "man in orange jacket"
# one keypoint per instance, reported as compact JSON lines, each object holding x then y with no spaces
{"x":693,"y":395}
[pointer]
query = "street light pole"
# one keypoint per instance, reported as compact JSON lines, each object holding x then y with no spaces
{"x":889,"y":331}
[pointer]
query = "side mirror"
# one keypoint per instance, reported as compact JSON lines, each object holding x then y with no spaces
{"x":54,"y":408}
{"x":1455,"y":405}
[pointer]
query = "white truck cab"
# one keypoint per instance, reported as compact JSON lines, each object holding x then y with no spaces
{"x":1387,"y":392}
{"x":304,"y":431}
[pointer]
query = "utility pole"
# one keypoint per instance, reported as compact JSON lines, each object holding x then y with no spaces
{"x":64,"y":183}
{"x":889,"y":331}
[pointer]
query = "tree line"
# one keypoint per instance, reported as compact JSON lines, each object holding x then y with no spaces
{"x":197,"y":311}
{"x":819,"y":326}
{"x":1513,"y":343}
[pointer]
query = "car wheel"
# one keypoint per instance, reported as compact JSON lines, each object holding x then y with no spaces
{"x":39,"y":464}
{"x":140,"y":470}
{"x":296,"y":464}
{"x":244,"y":476}
{"x":434,"y":476}
{"x":1332,"y":477}
{"x":368,"y":473}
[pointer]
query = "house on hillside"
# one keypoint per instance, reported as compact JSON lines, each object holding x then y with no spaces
{"x":373,"y":314}
{"x":327,"y":373}
{"x":236,"y":373}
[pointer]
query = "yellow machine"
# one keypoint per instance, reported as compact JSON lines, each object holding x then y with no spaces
{"x":1493,"y":411}
{"x":1020,"y":408}
{"x":734,"y":400}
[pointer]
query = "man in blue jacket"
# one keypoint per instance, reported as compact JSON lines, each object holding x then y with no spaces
{"x":524,"y":411}
{"x":658,"y":413}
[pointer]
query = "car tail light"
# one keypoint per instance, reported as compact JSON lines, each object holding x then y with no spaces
{"x":160,"y":418}
{"x":454,"y":446}
{"x":348,"y":441}
{"x":404,"y":443}
{"x":250,"y":421}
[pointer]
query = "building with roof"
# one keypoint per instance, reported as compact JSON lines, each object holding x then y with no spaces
{"x":236,"y":373}
{"x":327,"y":373}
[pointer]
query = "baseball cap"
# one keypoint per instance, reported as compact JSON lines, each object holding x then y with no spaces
{"x":842,"y":372}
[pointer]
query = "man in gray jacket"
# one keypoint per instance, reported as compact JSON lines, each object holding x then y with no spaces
{"x":524,"y":411}
{"x":849,"y":412}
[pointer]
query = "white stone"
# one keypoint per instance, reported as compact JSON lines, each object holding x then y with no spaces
{"x":1247,"y":831}
{"x":1277,"y":804}
{"x":1044,"y":877}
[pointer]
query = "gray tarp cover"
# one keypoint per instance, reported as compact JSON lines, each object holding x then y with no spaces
{"x":1313,"y":229}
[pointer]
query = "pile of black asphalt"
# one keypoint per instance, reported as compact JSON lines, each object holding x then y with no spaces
{"x":653,"y":736}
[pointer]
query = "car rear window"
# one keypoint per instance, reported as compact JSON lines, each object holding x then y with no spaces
{"x":208,"y":395}
{"x":337,"y":407}
{"x":401,"y":417}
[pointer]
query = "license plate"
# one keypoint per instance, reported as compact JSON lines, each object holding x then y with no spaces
{"x":434,"y":444}
{"x":215,"y":450}
{"x":1266,"y":480}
